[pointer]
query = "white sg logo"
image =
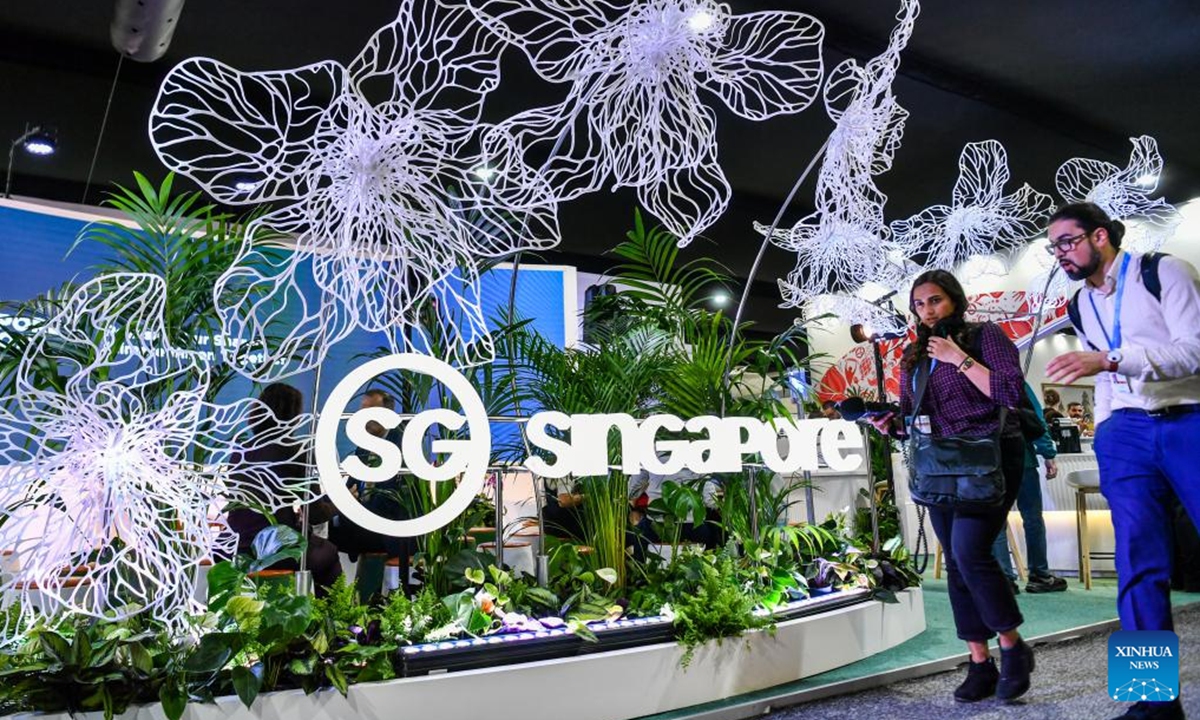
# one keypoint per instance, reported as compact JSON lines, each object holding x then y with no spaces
{"x":468,"y":458}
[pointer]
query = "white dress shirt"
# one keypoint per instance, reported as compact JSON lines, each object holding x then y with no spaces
{"x":1160,"y":340}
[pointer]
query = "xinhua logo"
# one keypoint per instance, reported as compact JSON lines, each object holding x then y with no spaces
{"x":1143,"y":665}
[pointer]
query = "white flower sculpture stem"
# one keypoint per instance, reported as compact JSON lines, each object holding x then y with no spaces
{"x":982,"y":220}
{"x":107,"y":483}
{"x":845,"y":242}
{"x":634,"y":114}
{"x":378,"y":173}
{"x":1124,"y":194}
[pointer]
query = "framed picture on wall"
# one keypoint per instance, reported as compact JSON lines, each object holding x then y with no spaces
{"x":1062,"y":398}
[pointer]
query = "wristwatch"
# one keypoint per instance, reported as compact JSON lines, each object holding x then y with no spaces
{"x":1114,"y":359}
{"x":967,"y":364}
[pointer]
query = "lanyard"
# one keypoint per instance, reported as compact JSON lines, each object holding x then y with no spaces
{"x":1114,"y":341}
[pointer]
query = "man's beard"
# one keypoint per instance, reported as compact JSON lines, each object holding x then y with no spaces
{"x":1087,"y":269}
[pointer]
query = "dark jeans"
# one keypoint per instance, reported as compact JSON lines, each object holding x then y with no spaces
{"x":980,"y":596}
{"x":1029,"y":502}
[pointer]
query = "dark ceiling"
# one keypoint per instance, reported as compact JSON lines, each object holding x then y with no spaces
{"x":1051,"y":80}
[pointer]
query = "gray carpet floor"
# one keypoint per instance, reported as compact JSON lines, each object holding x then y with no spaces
{"x":1070,"y":682}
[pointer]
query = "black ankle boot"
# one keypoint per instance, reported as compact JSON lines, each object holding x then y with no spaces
{"x":980,"y":683}
{"x":1016,"y":665}
{"x":1154,"y":711}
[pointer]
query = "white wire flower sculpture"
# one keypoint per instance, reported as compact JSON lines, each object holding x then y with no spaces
{"x":635,"y":115}
{"x":981,"y":220}
{"x":109,"y":472}
{"x":1124,"y":194}
{"x":854,"y":310}
{"x":846,"y":240}
{"x":377,"y":172}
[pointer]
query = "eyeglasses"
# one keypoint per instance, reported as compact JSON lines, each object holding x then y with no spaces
{"x":1065,"y":245}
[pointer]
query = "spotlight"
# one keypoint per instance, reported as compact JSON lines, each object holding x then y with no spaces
{"x":36,"y":140}
{"x":720,"y":299}
{"x":42,"y":142}
{"x":861,"y":333}
{"x":1147,"y":180}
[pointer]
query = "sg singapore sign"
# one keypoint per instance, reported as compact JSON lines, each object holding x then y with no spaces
{"x":579,"y":446}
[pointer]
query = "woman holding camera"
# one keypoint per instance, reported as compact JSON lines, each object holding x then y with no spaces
{"x":972,"y":372}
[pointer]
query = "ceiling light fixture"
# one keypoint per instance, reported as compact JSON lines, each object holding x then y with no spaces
{"x":37,"y":140}
{"x":720,"y":299}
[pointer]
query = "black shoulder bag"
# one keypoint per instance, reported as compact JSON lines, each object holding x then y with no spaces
{"x":957,"y":473}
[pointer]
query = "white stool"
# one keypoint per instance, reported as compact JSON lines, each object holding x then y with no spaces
{"x":1013,"y":548}
{"x":1086,"y":482}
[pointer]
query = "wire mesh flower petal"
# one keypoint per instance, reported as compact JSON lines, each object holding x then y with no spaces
{"x":636,"y":70}
{"x":768,"y":66}
{"x":982,"y":220}
{"x":1125,"y":194}
{"x":398,"y":191}
{"x":110,"y":484}
{"x":688,"y":198}
{"x":246,"y":138}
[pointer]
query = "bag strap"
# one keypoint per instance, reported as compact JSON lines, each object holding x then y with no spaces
{"x":922,"y":382}
{"x":1149,"y":271}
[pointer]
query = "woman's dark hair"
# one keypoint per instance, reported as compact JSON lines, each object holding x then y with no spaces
{"x":962,"y":332}
{"x":285,"y":403}
{"x":1091,"y":217}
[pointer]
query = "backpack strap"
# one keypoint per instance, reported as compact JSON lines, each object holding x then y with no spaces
{"x":1149,"y":269}
{"x":1076,"y":322}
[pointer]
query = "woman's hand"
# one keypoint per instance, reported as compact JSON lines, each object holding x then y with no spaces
{"x":1051,"y":469}
{"x":883,"y":423}
{"x":946,"y":350}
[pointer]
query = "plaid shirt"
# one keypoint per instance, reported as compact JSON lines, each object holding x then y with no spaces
{"x":954,"y":405}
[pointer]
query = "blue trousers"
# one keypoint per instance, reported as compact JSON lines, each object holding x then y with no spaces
{"x":1145,"y":463}
{"x":980,"y":597}
{"x":1029,"y":502}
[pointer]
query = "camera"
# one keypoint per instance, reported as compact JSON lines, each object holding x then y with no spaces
{"x":855,"y":408}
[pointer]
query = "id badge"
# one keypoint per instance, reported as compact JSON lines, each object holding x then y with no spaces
{"x":1120,"y":383}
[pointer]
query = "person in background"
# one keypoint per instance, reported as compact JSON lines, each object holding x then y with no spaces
{"x":286,"y":403}
{"x":1140,"y":315}
{"x":1029,"y":502}
{"x":964,"y":398}
{"x":829,"y":410}
{"x":1076,"y":413}
{"x":1052,"y":402}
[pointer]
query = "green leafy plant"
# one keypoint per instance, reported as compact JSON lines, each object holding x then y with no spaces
{"x":88,"y":665}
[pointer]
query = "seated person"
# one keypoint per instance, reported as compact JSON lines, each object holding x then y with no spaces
{"x":646,"y":487}
{"x":563,"y":508}
{"x":321,"y":557}
{"x":391,"y":499}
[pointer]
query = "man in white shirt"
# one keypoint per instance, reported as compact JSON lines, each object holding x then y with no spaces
{"x":1145,"y":355}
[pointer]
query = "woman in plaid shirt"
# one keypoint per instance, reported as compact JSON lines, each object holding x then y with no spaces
{"x":975,"y":372}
